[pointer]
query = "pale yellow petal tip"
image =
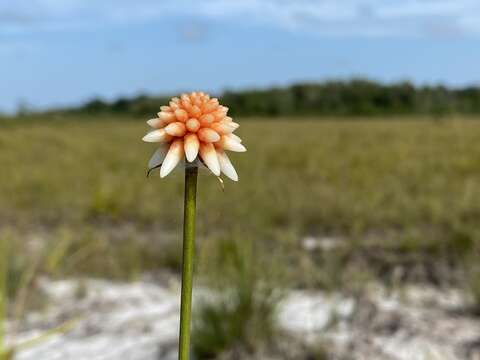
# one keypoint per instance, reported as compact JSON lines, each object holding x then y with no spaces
{"x":233,"y":177}
{"x":163,"y":174}
{"x":148,"y":138}
{"x":156,"y":123}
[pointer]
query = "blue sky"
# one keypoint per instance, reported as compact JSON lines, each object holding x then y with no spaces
{"x":62,"y":52}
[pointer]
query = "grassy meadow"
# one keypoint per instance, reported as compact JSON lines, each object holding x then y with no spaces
{"x":395,"y":200}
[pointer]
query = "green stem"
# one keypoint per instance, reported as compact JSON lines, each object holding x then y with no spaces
{"x":187,"y":271}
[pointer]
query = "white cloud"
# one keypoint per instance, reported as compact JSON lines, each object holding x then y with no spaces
{"x":328,"y":17}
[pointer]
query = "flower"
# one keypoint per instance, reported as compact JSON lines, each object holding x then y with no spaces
{"x":194,"y":127}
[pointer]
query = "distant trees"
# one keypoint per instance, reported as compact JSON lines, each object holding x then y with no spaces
{"x":96,"y":106}
{"x":332,"y":98}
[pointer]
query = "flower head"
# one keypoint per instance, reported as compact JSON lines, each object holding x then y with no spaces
{"x":194,"y":127}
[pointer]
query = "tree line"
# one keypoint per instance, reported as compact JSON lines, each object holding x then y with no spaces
{"x":356,"y":97}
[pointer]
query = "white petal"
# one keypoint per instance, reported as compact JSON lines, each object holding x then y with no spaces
{"x":192,"y":125}
{"x":208,"y":135}
{"x":174,"y":155}
{"x":222,"y":128}
{"x":210,"y":106}
{"x":209,"y":157}
{"x":207,"y":119}
{"x":173,"y":104}
{"x":176,"y":129}
{"x":226,"y":165}
{"x":181,"y":115}
{"x":231,"y":144}
{"x":191,"y":147}
{"x":157,"y":136}
{"x":196,"y":111}
{"x":166,"y":116}
{"x":235,"y":137}
{"x":156,"y":123}
{"x":157,"y":157}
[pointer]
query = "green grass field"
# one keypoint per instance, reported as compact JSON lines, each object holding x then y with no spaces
{"x":398,"y":194}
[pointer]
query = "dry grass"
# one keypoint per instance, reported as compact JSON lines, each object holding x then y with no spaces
{"x":396,"y":193}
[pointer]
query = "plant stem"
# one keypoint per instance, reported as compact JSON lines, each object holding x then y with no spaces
{"x":187,"y":271}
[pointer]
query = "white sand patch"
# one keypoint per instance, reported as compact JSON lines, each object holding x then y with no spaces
{"x":140,"y":321}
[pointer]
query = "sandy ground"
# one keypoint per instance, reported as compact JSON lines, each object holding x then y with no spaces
{"x":139,"y":321}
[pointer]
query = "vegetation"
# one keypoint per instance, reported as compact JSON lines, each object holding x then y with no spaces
{"x":333,"y":98}
{"x":320,"y":204}
{"x":382,"y":196}
{"x":240,"y":314}
{"x":20,"y":269}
